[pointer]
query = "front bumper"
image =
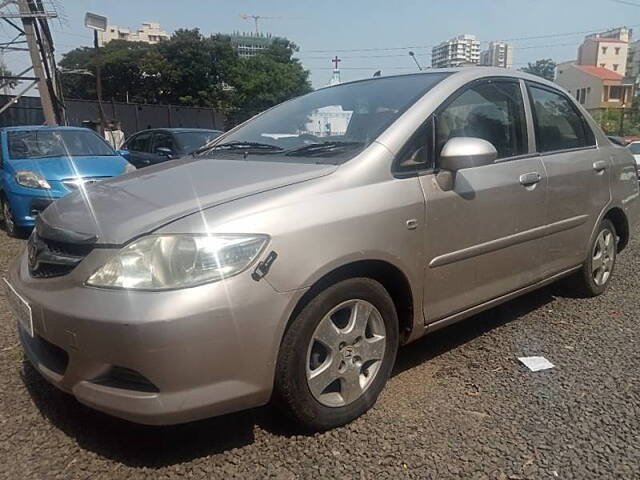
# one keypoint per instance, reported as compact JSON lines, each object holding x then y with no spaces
{"x":207,"y":350}
{"x":26,"y":207}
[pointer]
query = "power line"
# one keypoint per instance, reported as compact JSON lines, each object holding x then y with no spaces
{"x":625,"y":2}
{"x":515,"y":39}
{"x":428,"y":54}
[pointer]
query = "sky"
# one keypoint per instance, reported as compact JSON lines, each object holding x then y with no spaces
{"x":368,"y":35}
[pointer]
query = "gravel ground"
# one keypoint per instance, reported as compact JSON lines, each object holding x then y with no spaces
{"x":458,"y":406}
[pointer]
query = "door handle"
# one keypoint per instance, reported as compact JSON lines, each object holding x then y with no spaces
{"x":600,"y":166}
{"x":528,"y":179}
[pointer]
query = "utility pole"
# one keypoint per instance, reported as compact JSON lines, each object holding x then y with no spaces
{"x":97,"y":23}
{"x":35,"y":33}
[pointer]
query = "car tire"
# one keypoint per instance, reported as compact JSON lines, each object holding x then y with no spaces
{"x":595,"y":275}
{"x":8,"y":220}
{"x":348,"y":331}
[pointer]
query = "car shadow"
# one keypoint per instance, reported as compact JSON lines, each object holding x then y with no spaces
{"x":153,"y":447}
{"x":453,"y":336}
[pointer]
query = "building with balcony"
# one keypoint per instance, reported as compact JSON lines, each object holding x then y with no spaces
{"x":463,"y":50}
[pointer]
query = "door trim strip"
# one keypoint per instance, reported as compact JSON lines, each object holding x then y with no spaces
{"x":508,"y":241}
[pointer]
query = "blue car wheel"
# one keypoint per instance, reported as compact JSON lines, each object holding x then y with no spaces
{"x":7,"y":216}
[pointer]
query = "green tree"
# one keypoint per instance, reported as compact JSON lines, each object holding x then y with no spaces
{"x":123,"y":67}
{"x":198,"y":68}
{"x":188,"y":69}
{"x":267,"y":79}
{"x":545,"y":68}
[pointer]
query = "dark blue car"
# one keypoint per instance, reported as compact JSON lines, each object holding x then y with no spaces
{"x":40,"y":164}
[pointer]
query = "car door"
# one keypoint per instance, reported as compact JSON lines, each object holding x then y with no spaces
{"x":139,"y":147}
{"x":164,"y":147}
{"x":483,"y":237}
{"x":578,"y":174}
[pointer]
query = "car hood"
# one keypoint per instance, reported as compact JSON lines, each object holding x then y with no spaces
{"x":118,"y":209}
{"x":59,"y":168}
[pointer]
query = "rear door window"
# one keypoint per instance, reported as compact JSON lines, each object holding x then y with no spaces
{"x":558,"y":123}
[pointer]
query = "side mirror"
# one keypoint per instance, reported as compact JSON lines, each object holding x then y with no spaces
{"x":164,"y":151}
{"x":123,"y":152}
{"x":463,"y":152}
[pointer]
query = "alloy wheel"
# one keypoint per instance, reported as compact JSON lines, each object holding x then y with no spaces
{"x":345,"y":353}
{"x":603,"y":257}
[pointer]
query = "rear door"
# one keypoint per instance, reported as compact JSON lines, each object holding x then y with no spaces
{"x":483,"y":238}
{"x":578,"y":172}
{"x":139,"y":147}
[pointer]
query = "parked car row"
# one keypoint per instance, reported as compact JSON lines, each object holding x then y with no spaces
{"x":41,"y":164}
{"x":286,"y":262}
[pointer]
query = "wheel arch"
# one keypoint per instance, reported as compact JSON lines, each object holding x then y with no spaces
{"x":388,"y":275}
{"x":617,"y":216}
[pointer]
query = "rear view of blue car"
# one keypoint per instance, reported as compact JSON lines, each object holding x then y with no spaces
{"x":40,"y":164}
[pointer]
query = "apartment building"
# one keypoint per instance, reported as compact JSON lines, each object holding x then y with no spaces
{"x":606,"y":50}
{"x":498,"y":54}
{"x":458,"y":52}
{"x":149,"y":33}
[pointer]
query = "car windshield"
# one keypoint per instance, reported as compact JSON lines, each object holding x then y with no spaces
{"x":635,"y":148}
{"x":56,"y":143}
{"x":191,"y":141}
{"x":337,"y":121}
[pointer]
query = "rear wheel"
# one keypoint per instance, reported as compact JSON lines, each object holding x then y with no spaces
{"x":337,"y":354}
{"x":595,"y":275}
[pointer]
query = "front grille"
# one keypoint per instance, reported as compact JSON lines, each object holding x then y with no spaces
{"x":76,"y":183}
{"x":52,"y":258}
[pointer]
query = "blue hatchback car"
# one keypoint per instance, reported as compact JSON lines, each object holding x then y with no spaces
{"x":40,"y":164}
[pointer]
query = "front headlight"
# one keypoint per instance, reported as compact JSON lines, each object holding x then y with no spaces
{"x":160,"y":262}
{"x":27,"y":178}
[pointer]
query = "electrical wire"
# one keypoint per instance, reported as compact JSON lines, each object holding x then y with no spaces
{"x":515,"y":39}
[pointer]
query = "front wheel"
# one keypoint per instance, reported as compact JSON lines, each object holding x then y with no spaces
{"x":8,"y":219}
{"x":595,"y":275}
{"x":337,"y":354}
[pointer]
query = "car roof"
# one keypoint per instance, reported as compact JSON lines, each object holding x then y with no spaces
{"x":23,"y":128}
{"x":470,"y":73}
{"x":179,"y":130}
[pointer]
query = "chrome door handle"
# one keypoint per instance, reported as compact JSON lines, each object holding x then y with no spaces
{"x":600,"y":166}
{"x":528,"y":179}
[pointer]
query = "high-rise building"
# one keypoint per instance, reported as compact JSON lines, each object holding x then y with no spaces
{"x":499,"y":54}
{"x":457,"y":52}
{"x":250,"y":44}
{"x":149,"y":33}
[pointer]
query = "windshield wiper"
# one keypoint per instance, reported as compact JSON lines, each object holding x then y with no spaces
{"x":323,"y":148}
{"x":240,"y":145}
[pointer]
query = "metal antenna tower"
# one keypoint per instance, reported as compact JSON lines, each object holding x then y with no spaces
{"x":36,"y":36}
